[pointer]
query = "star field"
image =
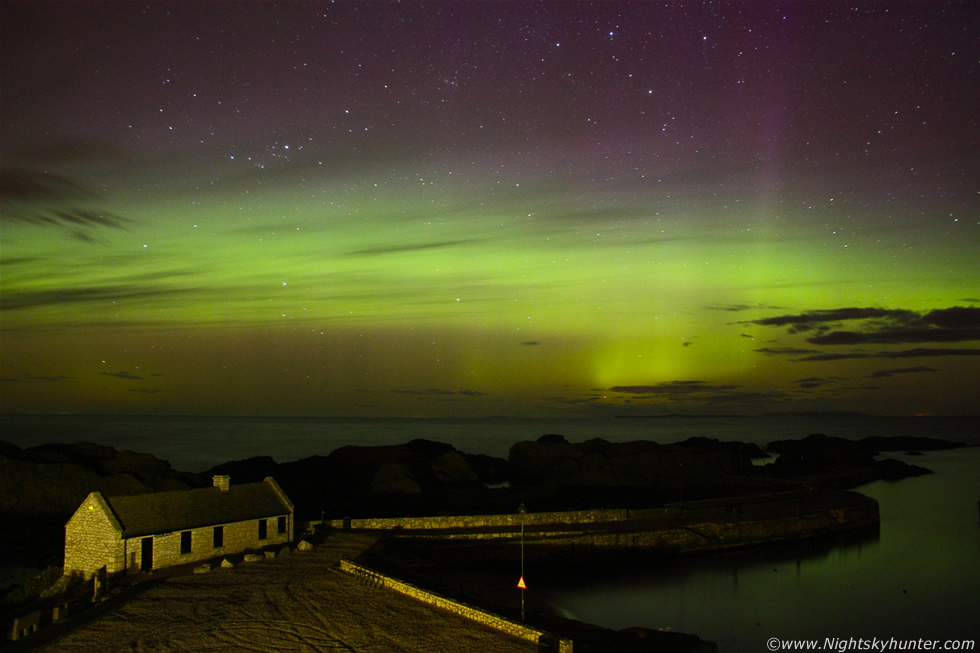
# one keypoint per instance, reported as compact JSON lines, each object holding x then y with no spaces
{"x":481,"y":208}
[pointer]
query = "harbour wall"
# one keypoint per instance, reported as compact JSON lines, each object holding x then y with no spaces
{"x":679,"y":527}
{"x":496,"y":622}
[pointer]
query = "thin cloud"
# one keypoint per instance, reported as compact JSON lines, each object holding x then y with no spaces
{"x":785,"y":351}
{"x":700,"y":393}
{"x":572,"y":401}
{"x":671,"y":388}
{"x":814,"y":320}
{"x":38,"y":198}
{"x":738,"y":308}
{"x":439,"y":392}
{"x":34,"y":298}
{"x":881,"y":326}
{"x":127,"y":376}
{"x":25,"y":185}
{"x":881,"y":374}
{"x":812,"y":382}
{"x":27,"y":377}
{"x":907,"y":353}
{"x":417,"y":247}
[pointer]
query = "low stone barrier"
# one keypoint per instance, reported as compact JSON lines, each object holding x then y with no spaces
{"x":514,"y":629}
{"x":25,"y":625}
{"x":446,"y":522}
{"x":774,"y":505}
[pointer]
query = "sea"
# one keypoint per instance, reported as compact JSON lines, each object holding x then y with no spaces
{"x":918,"y":576}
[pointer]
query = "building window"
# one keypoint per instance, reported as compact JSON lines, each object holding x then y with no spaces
{"x":219,"y":536}
{"x":263,"y":529}
{"x":185,"y":542}
{"x":282,"y":525}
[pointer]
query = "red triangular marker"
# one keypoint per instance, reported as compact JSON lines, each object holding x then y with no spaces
{"x":520,"y":584}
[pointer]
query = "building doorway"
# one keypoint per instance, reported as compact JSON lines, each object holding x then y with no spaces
{"x":146,"y":559}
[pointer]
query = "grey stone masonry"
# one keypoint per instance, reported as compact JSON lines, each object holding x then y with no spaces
{"x":152,"y":531}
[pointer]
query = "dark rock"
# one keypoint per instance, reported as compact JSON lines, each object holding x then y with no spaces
{"x":818,"y":452}
{"x":488,"y":468}
{"x":826,"y":460}
{"x":905,"y":442}
{"x":552,"y":438}
{"x":750,"y":451}
{"x":394,"y":478}
{"x":378,"y":481}
{"x":9,"y":449}
{"x":247,"y":470}
{"x":453,"y":468}
{"x":428,"y":449}
{"x":84,"y":453}
{"x":92,"y":451}
{"x":129,"y":461}
{"x":56,"y":488}
{"x":599,"y":463}
{"x":890,"y":469}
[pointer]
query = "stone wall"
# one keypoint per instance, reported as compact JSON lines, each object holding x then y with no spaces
{"x":237,"y":538}
{"x":514,"y":629}
{"x":710,"y":535}
{"x":680,"y":527}
{"x":485,"y":521}
{"x":93,"y":539}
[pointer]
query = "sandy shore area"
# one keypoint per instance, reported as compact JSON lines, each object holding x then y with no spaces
{"x":297,"y":602}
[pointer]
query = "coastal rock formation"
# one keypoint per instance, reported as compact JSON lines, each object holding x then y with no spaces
{"x":355,"y":480}
{"x":40,"y":487}
{"x":56,"y":488}
{"x":909,"y":442}
{"x":826,"y":460}
{"x":453,"y":468}
{"x":553,"y":461}
{"x":53,"y":479}
{"x":394,"y":478}
{"x":741,"y":450}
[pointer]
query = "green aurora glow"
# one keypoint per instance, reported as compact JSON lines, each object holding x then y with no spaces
{"x":428,"y":274}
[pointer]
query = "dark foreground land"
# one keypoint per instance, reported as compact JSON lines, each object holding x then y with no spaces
{"x":301,"y":602}
{"x":298,"y":602}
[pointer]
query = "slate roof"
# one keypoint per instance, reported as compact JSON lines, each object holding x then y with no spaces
{"x":167,"y":512}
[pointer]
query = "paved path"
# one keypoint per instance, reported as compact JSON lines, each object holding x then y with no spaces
{"x":292,"y":603}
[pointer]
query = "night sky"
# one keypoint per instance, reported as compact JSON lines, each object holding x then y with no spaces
{"x":489,"y":208}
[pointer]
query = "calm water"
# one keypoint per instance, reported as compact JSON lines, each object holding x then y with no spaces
{"x":919,"y":577}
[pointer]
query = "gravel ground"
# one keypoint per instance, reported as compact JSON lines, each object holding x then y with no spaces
{"x":297,"y":602}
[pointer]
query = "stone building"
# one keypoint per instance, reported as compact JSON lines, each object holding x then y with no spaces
{"x":144,"y":532}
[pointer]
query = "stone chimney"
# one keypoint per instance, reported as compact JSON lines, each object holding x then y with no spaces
{"x":222,"y":482}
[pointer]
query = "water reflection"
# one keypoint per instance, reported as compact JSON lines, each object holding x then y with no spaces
{"x":919,"y":576}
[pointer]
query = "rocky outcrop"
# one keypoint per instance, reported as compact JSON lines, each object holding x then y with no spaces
{"x":394,"y":478}
{"x":28,"y":487}
{"x":384,"y":480}
{"x":139,"y":463}
{"x":553,"y":461}
{"x":453,"y":468}
{"x":824,"y":460}
{"x":740,"y":450}
{"x":489,"y":470}
{"x":53,"y":479}
{"x":909,"y":443}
